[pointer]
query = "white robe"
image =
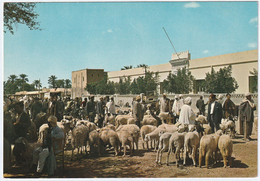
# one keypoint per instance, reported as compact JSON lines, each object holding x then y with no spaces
{"x":111,"y":107}
{"x":187,"y":115}
{"x":176,"y":107}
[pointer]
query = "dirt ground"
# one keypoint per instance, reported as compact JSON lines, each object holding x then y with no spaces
{"x":142,"y":164}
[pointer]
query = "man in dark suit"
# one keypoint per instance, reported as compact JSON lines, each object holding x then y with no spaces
{"x":214,"y":113}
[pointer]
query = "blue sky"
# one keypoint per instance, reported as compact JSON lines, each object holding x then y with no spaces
{"x":109,"y":36}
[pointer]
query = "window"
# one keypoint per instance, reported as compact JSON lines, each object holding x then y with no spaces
{"x":253,"y":84}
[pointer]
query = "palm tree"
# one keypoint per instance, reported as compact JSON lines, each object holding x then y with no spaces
{"x":12,"y":78}
{"x":144,"y":66}
{"x":67,"y":83}
{"x":52,"y":81}
{"x":127,"y":67}
{"x":37,"y":84}
{"x":24,"y":79}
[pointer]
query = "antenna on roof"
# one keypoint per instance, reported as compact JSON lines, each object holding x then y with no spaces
{"x":171,"y":42}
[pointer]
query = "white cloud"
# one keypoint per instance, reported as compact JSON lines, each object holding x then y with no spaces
{"x":192,"y":5}
{"x":110,"y":31}
{"x":253,"y":20}
{"x":252,"y":45}
{"x":205,"y":51}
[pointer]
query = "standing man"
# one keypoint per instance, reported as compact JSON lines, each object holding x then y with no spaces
{"x":22,"y":122}
{"x":201,"y":106}
{"x":176,"y":108}
{"x":36,"y":108}
{"x":100,"y":111}
{"x":187,"y":115}
{"x":229,"y":108}
{"x":137,"y":111}
{"x":111,"y":108}
{"x":214,"y":113}
{"x":164,"y":104}
{"x":246,"y":114}
{"x":91,"y":109}
{"x":181,"y":101}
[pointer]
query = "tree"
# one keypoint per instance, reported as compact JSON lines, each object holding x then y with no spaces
{"x":181,"y":83}
{"x":52,"y":81}
{"x":220,"y":81}
{"x":67,"y":83}
{"x":127,"y":67}
{"x":23,"y":80}
{"x":22,"y":13}
{"x":124,"y":85}
{"x":12,"y":78}
{"x":102,"y":87}
{"x":37,"y":84}
{"x":145,"y":83}
{"x":60,"y":83}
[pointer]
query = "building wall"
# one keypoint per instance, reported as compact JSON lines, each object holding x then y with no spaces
{"x":81,"y":78}
{"x":241,"y":62}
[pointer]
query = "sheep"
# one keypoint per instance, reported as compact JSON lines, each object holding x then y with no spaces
{"x":79,"y":137}
{"x":170,"y":127}
{"x":163,"y":144}
{"x":130,"y":121}
{"x":225,"y":145}
{"x":149,"y":120}
{"x":109,"y":119}
{"x":121,"y":120}
{"x":208,"y":146}
{"x":126,"y":138}
{"x":92,"y":126}
{"x":207,"y":129}
{"x":154,"y":136}
{"x":228,"y":125}
{"x":202,"y":119}
{"x":176,"y":143}
{"x":144,"y":131}
{"x":165,"y":117}
{"x":191,"y":143}
{"x":94,"y":141}
{"x":109,"y":136}
{"x":134,"y":130}
{"x":23,"y":151}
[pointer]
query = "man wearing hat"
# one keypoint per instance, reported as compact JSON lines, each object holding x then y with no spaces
{"x":137,"y":111}
{"x":246,"y":114}
{"x":164,"y":104}
{"x":187,"y":115}
{"x":214,"y":113}
{"x":176,"y":108}
{"x":229,"y":108}
{"x":201,"y":105}
{"x":22,"y":122}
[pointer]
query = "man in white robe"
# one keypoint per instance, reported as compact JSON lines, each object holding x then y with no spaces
{"x":187,"y":115}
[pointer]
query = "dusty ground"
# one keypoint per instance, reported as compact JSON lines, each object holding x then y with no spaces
{"x":142,"y":164}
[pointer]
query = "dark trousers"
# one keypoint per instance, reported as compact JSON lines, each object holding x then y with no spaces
{"x":213,"y":124}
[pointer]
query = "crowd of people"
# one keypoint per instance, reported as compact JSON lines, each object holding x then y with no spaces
{"x":24,"y":111}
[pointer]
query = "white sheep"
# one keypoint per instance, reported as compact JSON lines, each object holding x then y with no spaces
{"x":154,"y":136}
{"x":163,"y":145}
{"x":130,"y":121}
{"x":228,"y":126}
{"x":109,"y":120}
{"x":225,"y":146}
{"x":109,"y":136}
{"x":144,"y":131}
{"x":208,"y":146}
{"x":79,"y":137}
{"x":176,"y":144}
{"x":165,"y":117}
{"x":126,"y":138}
{"x":94,"y":141}
{"x":191,"y":143}
{"x":202,"y":119}
{"x":149,"y":120}
{"x":134,"y":130}
{"x":121,"y":120}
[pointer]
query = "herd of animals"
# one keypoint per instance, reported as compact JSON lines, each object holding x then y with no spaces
{"x":196,"y":141}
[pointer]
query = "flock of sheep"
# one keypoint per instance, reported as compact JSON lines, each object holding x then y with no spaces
{"x":121,"y":132}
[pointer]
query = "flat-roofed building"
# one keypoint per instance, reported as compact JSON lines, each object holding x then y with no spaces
{"x":242,"y":63}
{"x":81,"y":78}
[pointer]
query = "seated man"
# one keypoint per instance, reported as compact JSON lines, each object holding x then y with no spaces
{"x":46,"y":152}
